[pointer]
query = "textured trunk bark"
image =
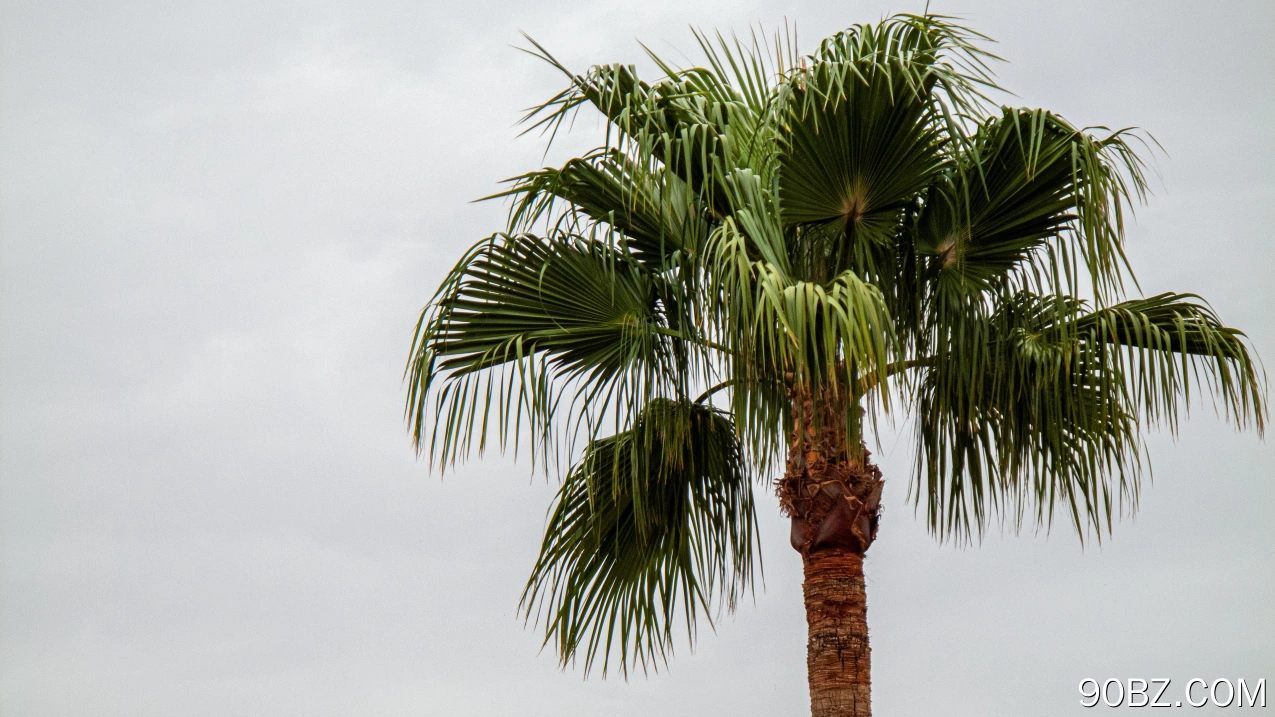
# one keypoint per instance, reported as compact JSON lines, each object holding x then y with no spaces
{"x":838,"y":659}
{"x":833,"y":495}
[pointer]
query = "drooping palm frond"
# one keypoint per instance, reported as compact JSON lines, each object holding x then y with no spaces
{"x":1009,"y":418}
{"x":653,"y":526}
{"x":778,"y":324}
{"x":1041,"y":403}
{"x":1165,"y":345}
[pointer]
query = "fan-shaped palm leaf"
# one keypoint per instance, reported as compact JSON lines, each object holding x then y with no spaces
{"x":652,"y":525}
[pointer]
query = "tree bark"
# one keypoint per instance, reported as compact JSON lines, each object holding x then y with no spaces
{"x":833,"y":496}
{"x":838,"y":659}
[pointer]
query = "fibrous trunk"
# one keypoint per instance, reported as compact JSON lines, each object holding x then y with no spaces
{"x":838,"y":659}
{"x":832,"y":493}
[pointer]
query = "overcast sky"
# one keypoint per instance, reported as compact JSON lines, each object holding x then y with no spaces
{"x":218,"y":223}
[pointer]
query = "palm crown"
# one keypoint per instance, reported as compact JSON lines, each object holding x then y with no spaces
{"x":859,"y":230}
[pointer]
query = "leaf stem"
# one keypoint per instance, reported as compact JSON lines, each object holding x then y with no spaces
{"x":702,"y":342}
{"x":714,"y":389}
{"x":897,"y":367}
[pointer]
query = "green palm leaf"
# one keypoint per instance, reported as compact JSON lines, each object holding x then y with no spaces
{"x":1028,"y":179}
{"x":1041,"y":403}
{"x":855,"y":151}
{"x":1166,"y":342}
{"x":520,"y":316}
{"x":653,"y":526}
{"x":677,"y":122}
{"x":653,"y":210}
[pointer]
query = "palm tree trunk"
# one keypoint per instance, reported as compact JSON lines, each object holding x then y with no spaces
{"x":832,"y":530}
{"x":838,"y":658}
{"x":832,"y":492}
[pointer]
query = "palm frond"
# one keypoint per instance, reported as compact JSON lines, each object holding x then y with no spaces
{"x":518,"y":321}
{"x":923,"y":52}
{"x":858,"y":146}
{"x":693,"y":122}
{"x":808,"y":330}
{"x":752,"y":69}
{"x":1169,"y":345}
{"x":653,"y":526}
{"x":1041,"y":403}
{"x":1037,"y":198}
{"x":1010,"y":424}
{"x":653,"y":211}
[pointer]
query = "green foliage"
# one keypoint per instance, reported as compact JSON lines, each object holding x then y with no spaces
{"x":657,"y":517}
{"x":862,"y":218}
{"x":523,"y":320}
{"x":1045,"y":409}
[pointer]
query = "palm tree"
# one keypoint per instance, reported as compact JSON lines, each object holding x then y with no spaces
{"x":765,"y":257}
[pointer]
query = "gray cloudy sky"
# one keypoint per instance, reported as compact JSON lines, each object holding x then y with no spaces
{"x":218,"y":223}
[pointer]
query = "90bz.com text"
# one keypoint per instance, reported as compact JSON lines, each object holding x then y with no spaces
{"x":1156,"y":692}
